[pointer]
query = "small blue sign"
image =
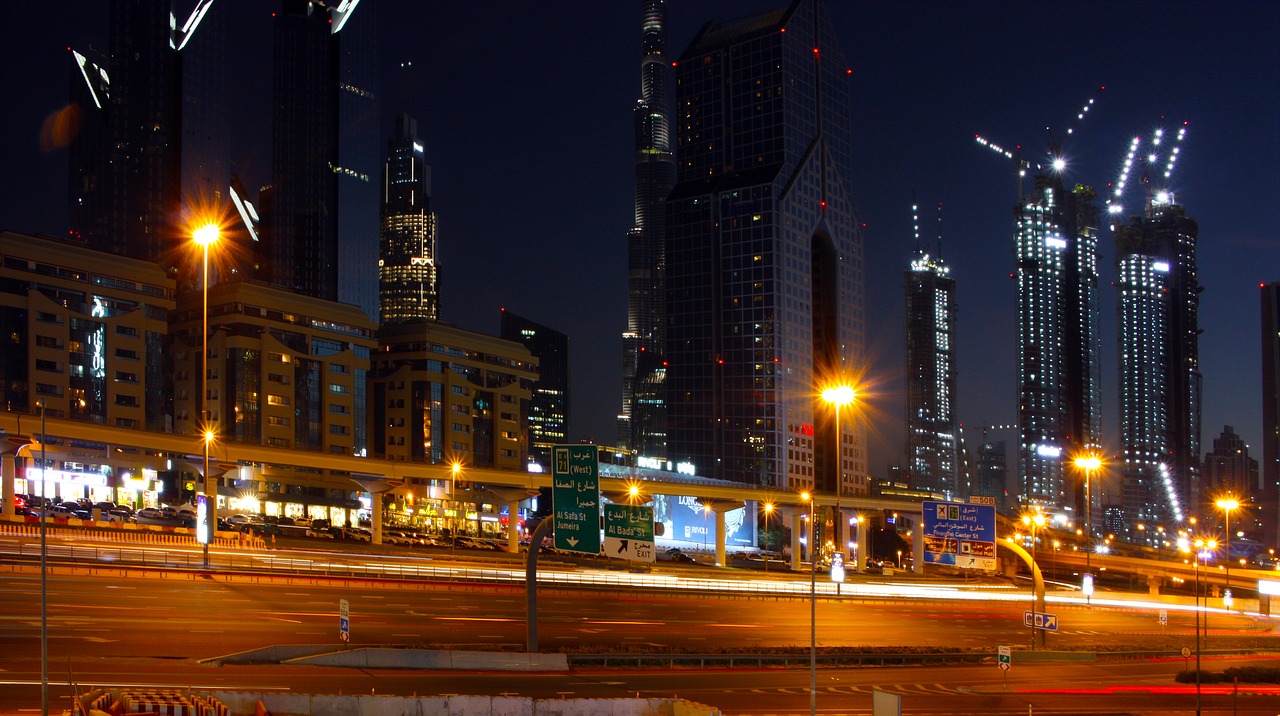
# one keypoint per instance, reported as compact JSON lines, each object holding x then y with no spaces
{"x":1040,"y":620}
{"x":344,"y":625}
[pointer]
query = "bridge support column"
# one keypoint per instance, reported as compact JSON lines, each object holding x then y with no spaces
{"x":8,"y":465}
{"x":375,"y":520}
{"x":795,"y":540}
{"x":720,"y":557}
{"x":1153,"y":584}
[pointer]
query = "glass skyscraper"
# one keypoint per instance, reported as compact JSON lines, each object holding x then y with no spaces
{"x":1160,"y":382}
{"x":1059,"y":369}
{"x":932,"y":454}
{"x":548,"y":409}
{"x":764,"y":258}
{"x":408,"y":277}
{"x":642,"y":422}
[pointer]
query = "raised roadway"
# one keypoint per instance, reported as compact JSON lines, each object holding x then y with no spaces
{"x":125,"y":625}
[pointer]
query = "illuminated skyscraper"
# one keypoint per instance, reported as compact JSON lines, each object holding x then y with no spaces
{"x":764,"y":257}
{"x":408,"y":277}
{"x":1059,"y":370}
{"x":1269,"y":500}
{"x":932,"y":455}
{"x":301,"y":243}
{"x":1159,"y":298}
{"x":548,"y":409}
{"x":126,"y":168}
{"x":642,"y":423}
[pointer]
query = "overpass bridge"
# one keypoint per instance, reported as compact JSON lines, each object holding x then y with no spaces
{"x":136,"y":449}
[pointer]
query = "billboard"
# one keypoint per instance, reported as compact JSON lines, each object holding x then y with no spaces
{"x":960,"y":535}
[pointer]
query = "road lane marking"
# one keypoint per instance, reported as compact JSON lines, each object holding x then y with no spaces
{"x":282,"y":619}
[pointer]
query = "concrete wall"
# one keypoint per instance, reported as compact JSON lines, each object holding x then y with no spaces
{"x":242,"y":703}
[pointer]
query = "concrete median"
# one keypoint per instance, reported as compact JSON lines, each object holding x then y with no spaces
{"x":381,"y":658}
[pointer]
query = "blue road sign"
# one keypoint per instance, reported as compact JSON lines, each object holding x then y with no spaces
{"x":960,"y":535}
{"x":1040,"y":620}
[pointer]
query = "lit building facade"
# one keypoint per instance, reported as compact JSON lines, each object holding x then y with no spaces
{"x":549,"y":405}
{"x":440,"y":394}
{"x":1159,"y":384}
{"x":932,"y":429}
{"x":1269,"y":500}
{"x":764,"y":257}
{"x":642,"y":422}
{"x":408,"y":278}
{"x":1059,"y":368}
{"x":285,"y":370}
{"x":84,"y":335}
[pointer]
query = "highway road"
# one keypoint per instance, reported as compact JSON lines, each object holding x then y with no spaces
{"x":133,"y":612}
{"x":122,"y":625}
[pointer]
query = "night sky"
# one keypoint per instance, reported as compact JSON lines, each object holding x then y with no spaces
{"x":525,"y":111}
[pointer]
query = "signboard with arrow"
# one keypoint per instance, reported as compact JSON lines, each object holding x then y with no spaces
{"x":628,"y":532}
{"x":575,"y":492}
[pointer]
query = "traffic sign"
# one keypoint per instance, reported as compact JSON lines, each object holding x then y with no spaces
{"x":1005,"y":657}
{"x":960,"y":535}
{"x":1164,"y":617}
{"x":1040,"y":620}
{"x":344,"y":620}
{"x":628,"y":532}
{"x":575,"y":493}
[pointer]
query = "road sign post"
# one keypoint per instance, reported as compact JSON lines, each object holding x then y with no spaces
{"x":628,"y":532}
{"x":1164,"y":619}
{"x":344,"y":621}
{"x":1005,"y":660}
{"x":575,"y":493}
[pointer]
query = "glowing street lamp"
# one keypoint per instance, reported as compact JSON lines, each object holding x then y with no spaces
{"x":768,"y":510}
{"x":206,"y":236}
{"x":1227,"y":504}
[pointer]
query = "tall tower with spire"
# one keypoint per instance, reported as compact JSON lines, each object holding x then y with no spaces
{"x":642,"y":422}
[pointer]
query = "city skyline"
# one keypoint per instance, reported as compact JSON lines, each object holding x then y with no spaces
{"x":914,"y":117}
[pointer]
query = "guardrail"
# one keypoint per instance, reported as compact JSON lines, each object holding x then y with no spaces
{"x":705,"y":661}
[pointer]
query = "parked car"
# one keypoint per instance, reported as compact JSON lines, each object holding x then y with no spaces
{"x":359,"y":534}
{"x":321,"y":532}
{"x":399,"y":538}
{"x":243,"y":519}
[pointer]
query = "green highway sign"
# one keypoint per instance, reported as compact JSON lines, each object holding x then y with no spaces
{"x":575,"y":494}
{"x":628,"y":532}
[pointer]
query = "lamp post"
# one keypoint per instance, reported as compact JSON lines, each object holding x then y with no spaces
{"x":1034,"y":521}
{"x":454,"y":469}
{"x":813,"y":611}
{"x":205,"y":236}
{"x":768,"y":510}
{"x":1088,"y":463}
{"x":1199,"y":545}
{"x":44,"y":573}
{"x":1227,"y":505}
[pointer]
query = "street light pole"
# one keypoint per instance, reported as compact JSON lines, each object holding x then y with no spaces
{"x":454,"y":469}
{"x":205,"y":236}
{"x":44,"y":572}
{"x":836,"y":396}
{"x":1227,"y":505}
{"x":813,"y":612}
{"x":1088,"y":464}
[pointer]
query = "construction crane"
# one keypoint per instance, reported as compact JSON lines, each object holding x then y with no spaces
{"x":1054,"y":145}
{"x":1151,"y":162}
